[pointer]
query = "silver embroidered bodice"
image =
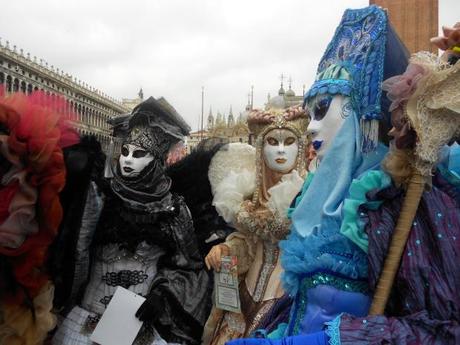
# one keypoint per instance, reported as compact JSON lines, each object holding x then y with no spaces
{"x":114,"y":267}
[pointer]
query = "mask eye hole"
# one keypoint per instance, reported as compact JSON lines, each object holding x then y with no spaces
{"x":289,"y":141}
{"x":321,"y":107}
{"x":139,"y":153}
{"x":124,"y":151}
{"x":272,"y":141}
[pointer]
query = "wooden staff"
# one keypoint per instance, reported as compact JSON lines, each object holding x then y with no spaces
{"x":398,"y":243}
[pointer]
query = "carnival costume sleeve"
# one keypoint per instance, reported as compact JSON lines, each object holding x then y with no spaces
{"x":424,"y":304}
{"x":190,"y":179}
{"x":81,"y":200}
{"x":177,"y":303}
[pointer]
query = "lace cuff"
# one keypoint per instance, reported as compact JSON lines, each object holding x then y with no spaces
{"x":333,"y":331}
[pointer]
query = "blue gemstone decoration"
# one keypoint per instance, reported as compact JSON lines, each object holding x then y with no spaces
{"x":439,"y":214}
{"x":415,"y":224}
{"x":439,"y":235}
{"x":378,"y":232}
{"x":417,"y":242}
{"x":364,"y":321}
{"x":409,"y":254}
{"x":367,"y":29}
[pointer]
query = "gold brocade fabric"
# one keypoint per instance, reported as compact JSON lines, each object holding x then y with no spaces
{"x":19,"y":327}
{"x":232,"y":325}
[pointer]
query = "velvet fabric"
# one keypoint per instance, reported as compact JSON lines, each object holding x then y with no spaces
{"x":424,"y":306}
{"x":318,"y":338}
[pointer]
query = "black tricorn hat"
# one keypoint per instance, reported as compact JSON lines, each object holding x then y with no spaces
{"x":120,"y":125}
{"x":159,"y":113}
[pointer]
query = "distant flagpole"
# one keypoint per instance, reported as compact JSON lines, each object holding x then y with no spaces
{"x":202,"y":112}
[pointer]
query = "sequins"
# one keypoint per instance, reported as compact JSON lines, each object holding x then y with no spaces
{"x":417,"y":242}
{"x":439,"y":235}
{"x":271,"y":252}
{"x":378,"y":232}
{"x":409,"y":254}
{"x":364,"y":321}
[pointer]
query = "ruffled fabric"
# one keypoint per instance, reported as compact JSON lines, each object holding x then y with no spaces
{"x":18,"y":198}
{"x":352,"y":227}
{"x":282,"y":194}
{"x":450,"y":38}
{"x":231,"y":192}
{"x":20,"y":327}
{"x":306,"y":255}
{"x":37,"y":134}
{"x":234,"y":157}
{"x":399,"y":88}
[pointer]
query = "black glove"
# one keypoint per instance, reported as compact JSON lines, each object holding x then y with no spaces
{"x":152,"y":307}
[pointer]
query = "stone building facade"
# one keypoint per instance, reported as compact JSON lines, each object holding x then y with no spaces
{"x":19,"y":72}
{"x":415,"y":21}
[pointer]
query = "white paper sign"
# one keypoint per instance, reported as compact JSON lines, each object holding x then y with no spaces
{"x":118,"y":324}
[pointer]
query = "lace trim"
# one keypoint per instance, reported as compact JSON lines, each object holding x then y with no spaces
{"x":271,"y":253}
{"x":333,"y":330}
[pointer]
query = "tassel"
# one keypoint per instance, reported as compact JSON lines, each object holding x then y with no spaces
{"x":108,"y":173}
{"x":369,"y":135}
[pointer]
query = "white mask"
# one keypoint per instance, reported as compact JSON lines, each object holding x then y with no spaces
{"x":280,"y":150}
{"x":327,"y":116}
{"x":133,"y":160}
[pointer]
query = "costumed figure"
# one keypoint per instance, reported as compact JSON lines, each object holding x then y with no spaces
{"x":140,"y":236}
{"x":33,"y":133}
{"x":325,"y":271}
{"x":256,"y":204}
{"x":423,"y":303}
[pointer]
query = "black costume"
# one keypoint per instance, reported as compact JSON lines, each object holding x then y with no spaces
{"x":137,"y":234}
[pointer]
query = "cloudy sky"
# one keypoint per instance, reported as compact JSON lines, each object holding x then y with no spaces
{"x":172,"y":48}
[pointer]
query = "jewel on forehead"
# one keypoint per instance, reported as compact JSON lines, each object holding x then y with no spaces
{"x":280,"y":122}
{"x":135,"y":132}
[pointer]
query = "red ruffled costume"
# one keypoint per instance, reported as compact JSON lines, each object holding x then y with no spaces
{"x":33,"y":131}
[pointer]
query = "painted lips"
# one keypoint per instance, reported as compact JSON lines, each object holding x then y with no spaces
{"x":280,"y":160}
{"x":317,"y":144}
{"x":127,"y":169}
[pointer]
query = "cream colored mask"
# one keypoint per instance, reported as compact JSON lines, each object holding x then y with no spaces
{"x":133,"y":160}
{"x":280,"y":150}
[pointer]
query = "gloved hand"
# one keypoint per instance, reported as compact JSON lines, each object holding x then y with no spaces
{"x":152,"y":307}
{"x":318,"y":338}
